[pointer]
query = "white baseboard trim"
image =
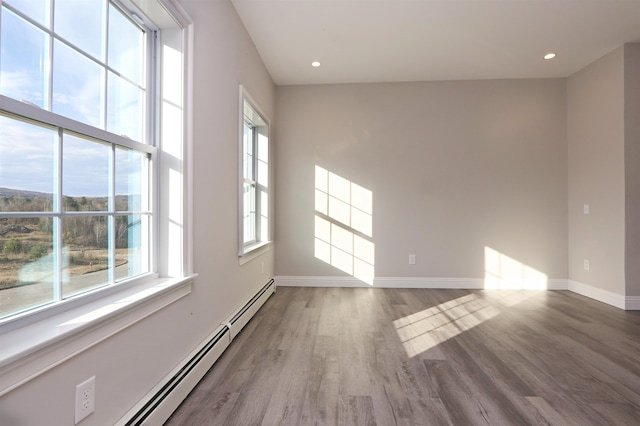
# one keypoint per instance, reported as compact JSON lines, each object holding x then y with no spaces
{"x":397,"y":282}
{"x":604,"y":296}
{"x":632,"y":303}
{"x":379,"y":282}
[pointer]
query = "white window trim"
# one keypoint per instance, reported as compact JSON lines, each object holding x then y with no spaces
{"x":48,"y":336}
{"x":253,"y":251}
{"x":249,"y":252}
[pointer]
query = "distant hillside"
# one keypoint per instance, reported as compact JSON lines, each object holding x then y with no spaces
{"x":20,"y":193}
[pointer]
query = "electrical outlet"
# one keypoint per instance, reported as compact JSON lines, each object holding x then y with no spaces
{"x":585,"y":209}
{"x":412,"y":259}
{"x":585,"y":264}
{"x":85,"y":398}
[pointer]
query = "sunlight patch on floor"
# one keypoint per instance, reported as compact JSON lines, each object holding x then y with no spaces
{"x":426,"y":329}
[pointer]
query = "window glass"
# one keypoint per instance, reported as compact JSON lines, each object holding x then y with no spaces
{"x":27,"y":166}
{"x":22,"y":65}
{"x":264,"y":216}
{"x":126,"y":46}
{"x":131,"y":178}
{"x":78,"y":89}
{"x":249,"y":213}
{"x":81,"y":23}
{"x":248,"y":151}
{"x":124,"y":108}
{"x":131,"y":258}
{"x":263,"y":159}
{"x":85,"y":253}
{"x":38,"y":10}
{"x":85,"y":174}
{"x":27,"y":266}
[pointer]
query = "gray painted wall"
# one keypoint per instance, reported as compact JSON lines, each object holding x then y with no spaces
{"x":632,"y":166}
{"x":595,"y":101}
{"x":453,"y":167}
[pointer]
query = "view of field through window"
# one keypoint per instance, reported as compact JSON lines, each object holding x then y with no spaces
{"x":100,"y":241}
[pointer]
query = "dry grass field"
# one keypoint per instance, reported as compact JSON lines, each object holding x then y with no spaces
{"x":27,"y":266}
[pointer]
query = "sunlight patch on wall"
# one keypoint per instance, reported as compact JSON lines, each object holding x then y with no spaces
{"x":426,"y":329}
{"x":344,"y":225}
{"x":504,"y":272}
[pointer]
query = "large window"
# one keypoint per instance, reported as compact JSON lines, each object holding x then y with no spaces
{"x":254,"y":199}
{"x":77,"y":145}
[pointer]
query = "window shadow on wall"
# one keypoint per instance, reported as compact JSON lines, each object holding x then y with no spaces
{"x":344,"y":225}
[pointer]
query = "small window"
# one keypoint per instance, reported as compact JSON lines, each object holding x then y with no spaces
{"x":254,"y":179}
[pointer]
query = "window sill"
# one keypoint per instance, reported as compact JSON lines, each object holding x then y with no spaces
{"x":253,"y":251}
{"x":31,"y":350}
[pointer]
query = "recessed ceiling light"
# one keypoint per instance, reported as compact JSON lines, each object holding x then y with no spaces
{"x":550,"y":55}
{"x":315,"y":64}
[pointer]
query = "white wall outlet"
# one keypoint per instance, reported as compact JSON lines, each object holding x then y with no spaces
{"x":412,"y":259}
{"x":85,"y":398}
{"x":585,"y":264}
{"x":585,"y":209}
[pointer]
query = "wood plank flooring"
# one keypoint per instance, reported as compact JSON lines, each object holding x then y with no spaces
{"x":330,"y":356}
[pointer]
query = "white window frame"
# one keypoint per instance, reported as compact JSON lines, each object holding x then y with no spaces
{"x":70,"y":326}
{"x":250,"y":112}
{"x":13,"y":108}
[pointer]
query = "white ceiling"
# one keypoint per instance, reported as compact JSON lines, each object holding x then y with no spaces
{"x":420,"y":40}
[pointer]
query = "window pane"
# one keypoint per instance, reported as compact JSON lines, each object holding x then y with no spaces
{"x":27,"y":166}
{"x":27,"y":266}
{"x":126,"y":46}
{"x":131,"y":242}
{"x":263,"y":160}
{"x":78,"y":89}
{"x":23,"y":64}
{"x":124,"y":108}
{"x":249,"y":214}
{"x":38,"y":10}
{"x":81,"y":22}
{"x":248,"y":151}
{"x":264,"y":216}
{"x":131,"y":180}
{"x":85,"y":253}
{"x":85,"y":174}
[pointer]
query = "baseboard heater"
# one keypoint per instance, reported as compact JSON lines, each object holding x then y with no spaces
{"x":163,"y":400}
{"x":244,"y":314}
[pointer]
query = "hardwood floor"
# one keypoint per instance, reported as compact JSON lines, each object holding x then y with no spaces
{"x":329,"y":356}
